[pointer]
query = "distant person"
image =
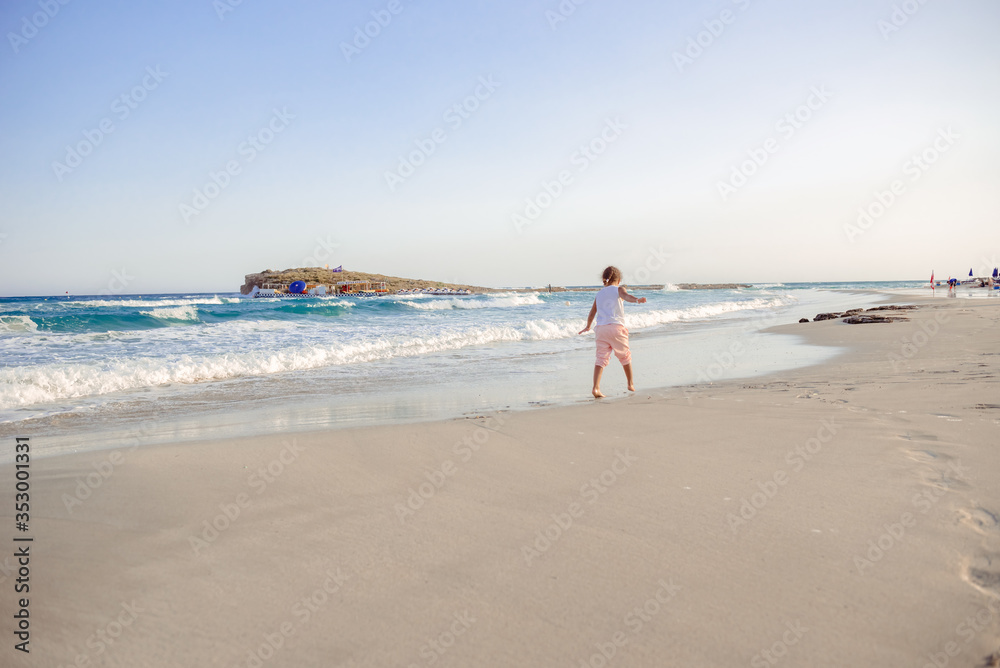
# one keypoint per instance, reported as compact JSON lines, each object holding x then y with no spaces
{"x":610,"y":332}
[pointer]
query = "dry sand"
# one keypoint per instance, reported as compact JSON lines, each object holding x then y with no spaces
{"x":839,"y":515}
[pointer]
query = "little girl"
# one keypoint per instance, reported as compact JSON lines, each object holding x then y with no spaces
{"x":610,"y":332}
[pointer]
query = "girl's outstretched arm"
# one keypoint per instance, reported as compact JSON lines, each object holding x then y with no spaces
{"x":590,"y":318}
{"x":623,"y":294}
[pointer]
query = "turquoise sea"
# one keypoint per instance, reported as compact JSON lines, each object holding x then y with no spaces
{"x":78,"y":370}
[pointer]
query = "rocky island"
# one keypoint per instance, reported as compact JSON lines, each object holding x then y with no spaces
{"x":320,"y":275}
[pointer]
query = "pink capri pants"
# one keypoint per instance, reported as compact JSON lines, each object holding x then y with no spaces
{"x":612,"y":338}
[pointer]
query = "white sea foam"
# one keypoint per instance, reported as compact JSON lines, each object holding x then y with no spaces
{"x":640,"y":319}
{"x":544,"y":330}
{"x":21,"y":386}
{"x":192,"y":301}
{"x":314,"y":302}
{"x":670,"y":287}
{"x":186,"y":312}
{"x":501,"y":300}
{"x":17,"y":324}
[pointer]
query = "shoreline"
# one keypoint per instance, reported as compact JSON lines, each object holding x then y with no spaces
{"x":849,"y":507}
{"x":685,"y":354}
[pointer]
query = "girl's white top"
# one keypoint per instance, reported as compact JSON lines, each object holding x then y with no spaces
{"x":610,"y":310}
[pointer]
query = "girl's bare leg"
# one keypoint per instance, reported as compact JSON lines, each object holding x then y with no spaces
{"x":598,"y":370}
{"x":628,"y":377}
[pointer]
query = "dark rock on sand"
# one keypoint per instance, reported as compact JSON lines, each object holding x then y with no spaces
{"x":803,"y":319}
{"x":866,"y":319}
{"x":891,"y":307}
{"x":853,"y":318}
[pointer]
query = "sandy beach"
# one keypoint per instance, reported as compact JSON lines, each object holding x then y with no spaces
{"x":840,"y":514}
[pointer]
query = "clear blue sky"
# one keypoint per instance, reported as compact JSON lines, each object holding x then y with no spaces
{"x":673,"y":131}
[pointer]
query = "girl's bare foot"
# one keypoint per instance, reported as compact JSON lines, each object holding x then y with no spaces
{"x":597,"y":394}
{"x":631,"y":388}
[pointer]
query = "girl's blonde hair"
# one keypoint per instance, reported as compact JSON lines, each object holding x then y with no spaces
{"x":612,"y":275}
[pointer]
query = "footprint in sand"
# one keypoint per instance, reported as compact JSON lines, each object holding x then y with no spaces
{"x":919,"y":436}
{"x":944,"y":472}
{"x":987,"y":580}
{"x":982,"y":520}
{"x":944,"y":481}
{"x":924,"y":456}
